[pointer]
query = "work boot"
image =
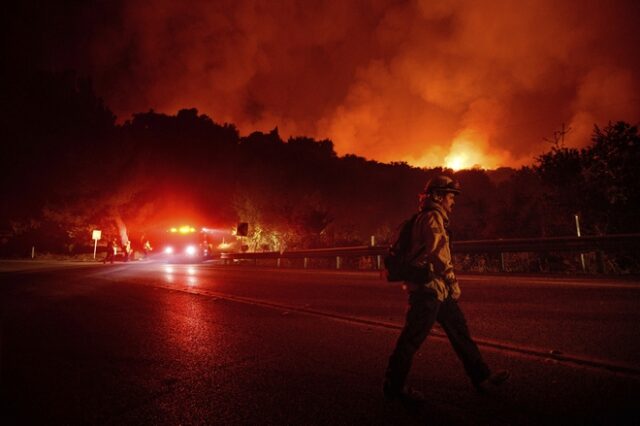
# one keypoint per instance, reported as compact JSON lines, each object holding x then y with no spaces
{"x":406,"y":396}
{"x":494,"y":379}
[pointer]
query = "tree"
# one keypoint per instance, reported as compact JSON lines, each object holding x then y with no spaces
{"x":601,"y":182}
{"x":560,"y":173}
{"x":474,"y":207}
{"x":611,"y":175}
{"x":518,"y":207}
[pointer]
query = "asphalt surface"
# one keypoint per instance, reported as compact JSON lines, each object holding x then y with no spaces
{"x":148,"y":343}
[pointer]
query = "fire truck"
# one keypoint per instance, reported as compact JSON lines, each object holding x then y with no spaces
{"x":183,"y":244}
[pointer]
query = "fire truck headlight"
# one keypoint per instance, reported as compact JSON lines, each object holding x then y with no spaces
{"x":168,"y":250}
{"x":190,"y":250}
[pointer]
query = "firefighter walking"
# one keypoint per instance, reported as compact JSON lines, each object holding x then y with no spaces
{"x":434,"y":297}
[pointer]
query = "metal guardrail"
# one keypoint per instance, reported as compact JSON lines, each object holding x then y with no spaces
{"x":575,"y":244}
{"x":552,"y":244}
{"x":335,"y":252}
{"x":311,"y":253}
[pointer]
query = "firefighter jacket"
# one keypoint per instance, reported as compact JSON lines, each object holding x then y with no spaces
{"x":430,"y":250}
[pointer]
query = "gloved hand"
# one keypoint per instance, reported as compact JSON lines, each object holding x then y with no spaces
{"x":452,"y":284}
{"x":454,"y":290}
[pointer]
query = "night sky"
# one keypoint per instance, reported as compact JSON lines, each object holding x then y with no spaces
{"x":450,"y":82}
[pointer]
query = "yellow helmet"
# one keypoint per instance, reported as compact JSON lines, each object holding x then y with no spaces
{"x":442,"y":183}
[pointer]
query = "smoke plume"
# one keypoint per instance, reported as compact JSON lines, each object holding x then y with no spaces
{"x":453,"y":82}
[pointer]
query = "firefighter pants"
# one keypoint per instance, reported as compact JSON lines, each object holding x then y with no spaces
{"x":424,"y":310}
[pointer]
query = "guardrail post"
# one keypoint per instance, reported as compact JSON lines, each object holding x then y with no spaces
{"x":379,"y":261}
{"x":502,"y":268}
{"x":306,"y":262}
{"x":600,"y":261}
{"x":278,"y":262}
{"x":338,"y":262}
{"x":584,"y":267}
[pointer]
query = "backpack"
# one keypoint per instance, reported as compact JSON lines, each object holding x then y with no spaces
{"x":397,"y":263}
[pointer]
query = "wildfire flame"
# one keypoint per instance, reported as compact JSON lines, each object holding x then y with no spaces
{"x":457,"y":161}
{"x":471,"y":150}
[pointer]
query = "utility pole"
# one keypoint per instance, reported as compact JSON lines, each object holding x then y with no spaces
{"x":564,"y":132}
{"x":558,"y":136}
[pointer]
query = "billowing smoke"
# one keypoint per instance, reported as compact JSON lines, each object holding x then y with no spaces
{"x":122,"y":229}
{"x":429,"y":82}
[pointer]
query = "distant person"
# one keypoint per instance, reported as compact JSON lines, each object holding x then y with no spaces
{"x":146,"y":248}
{"x":126,"y":251}
{"x":111,"y":251}
{"x":433,"y":296}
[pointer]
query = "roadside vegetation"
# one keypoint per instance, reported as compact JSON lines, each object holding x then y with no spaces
{"x":69,"y":168}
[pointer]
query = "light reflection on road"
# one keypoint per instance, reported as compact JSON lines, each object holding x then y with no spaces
{"x":191,"y":276}
{"x":168,"y":276}
{"x":181,"y":275}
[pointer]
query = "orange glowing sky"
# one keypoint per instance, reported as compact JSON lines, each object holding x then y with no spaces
{"x":457,"y":83}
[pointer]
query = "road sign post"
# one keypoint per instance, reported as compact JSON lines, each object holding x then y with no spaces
{"x":96,"y":235}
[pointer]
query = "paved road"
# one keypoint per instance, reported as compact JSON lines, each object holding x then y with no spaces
{"x":202,"y":344}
